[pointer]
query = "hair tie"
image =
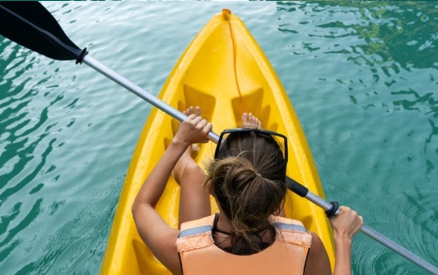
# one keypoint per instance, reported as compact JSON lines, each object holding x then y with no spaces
{"x":258,"y":175}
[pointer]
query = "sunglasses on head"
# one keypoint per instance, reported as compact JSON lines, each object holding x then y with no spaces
{"x":274,"y":135}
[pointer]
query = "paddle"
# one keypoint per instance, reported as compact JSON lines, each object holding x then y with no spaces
{"x":32,"y":26}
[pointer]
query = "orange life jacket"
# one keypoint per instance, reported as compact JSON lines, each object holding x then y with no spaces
{"x":200,"y":256}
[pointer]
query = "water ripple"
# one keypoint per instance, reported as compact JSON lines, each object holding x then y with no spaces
{"x":8,"y":241}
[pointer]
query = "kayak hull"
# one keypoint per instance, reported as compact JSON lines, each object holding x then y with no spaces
{"x":225,"y":72}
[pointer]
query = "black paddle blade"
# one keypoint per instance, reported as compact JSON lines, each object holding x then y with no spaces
{"x":32,"y":26}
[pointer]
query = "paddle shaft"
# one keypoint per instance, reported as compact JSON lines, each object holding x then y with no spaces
{"x":122,"y":81}
{"x":304,"y":192}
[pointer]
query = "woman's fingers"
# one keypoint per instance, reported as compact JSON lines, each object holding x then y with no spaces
{"x":348,"y":222}
{"x":197,"y":121}
{"x":195,"y":128}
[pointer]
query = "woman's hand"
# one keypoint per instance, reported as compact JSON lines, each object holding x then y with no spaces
{"x":347,"y":223}
{"x":193,"y":130}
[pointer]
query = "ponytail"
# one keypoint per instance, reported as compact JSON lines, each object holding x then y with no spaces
{"x":247,"y":198}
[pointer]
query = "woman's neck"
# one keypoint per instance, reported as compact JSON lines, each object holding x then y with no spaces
{"x":223,"y":225}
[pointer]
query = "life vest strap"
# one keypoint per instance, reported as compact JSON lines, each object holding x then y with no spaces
{"x":195,"y":231}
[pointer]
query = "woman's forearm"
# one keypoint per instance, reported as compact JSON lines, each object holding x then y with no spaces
{"x":342,"y":255}
{"x":156,"y":181}
{"x":192,"y":130}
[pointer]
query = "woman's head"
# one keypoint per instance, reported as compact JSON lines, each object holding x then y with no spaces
{"x":248,"y":181}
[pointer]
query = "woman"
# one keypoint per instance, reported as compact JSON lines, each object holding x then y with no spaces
{"x":247,"y":179}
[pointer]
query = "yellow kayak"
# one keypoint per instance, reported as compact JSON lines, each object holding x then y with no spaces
{"x":225,"y":72}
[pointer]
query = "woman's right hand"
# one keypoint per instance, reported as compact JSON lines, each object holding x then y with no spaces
{"x":193,"y":130}
{"x":347,"y":223}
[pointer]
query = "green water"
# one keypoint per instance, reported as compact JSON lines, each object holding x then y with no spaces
{"x":363,"y":78}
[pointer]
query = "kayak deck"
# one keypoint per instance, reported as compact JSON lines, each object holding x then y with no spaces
{"x":226,"y":73}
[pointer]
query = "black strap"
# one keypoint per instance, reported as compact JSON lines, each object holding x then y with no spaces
{"x":215,"y":229}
